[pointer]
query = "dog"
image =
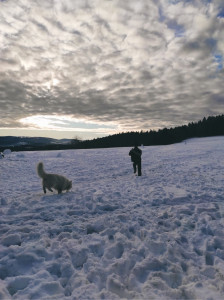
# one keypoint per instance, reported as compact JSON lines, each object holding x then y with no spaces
{"x":49,"y":181}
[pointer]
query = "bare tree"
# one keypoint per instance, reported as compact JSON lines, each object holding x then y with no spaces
{"x":76,"y":139}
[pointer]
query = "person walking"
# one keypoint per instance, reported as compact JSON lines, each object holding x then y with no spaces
{"x":135,"y":154}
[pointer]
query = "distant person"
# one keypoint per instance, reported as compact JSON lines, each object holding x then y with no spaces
{"x":135,"y":154}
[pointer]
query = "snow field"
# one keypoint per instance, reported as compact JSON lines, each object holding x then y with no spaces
{"x":114,"y":235}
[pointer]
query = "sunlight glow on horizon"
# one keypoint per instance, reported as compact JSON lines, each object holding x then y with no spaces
{"x":66,"y":123}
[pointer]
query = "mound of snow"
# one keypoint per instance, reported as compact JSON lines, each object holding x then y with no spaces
{"x":7,"y":152}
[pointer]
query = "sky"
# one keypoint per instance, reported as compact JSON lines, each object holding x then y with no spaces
{"x":90,"y":68}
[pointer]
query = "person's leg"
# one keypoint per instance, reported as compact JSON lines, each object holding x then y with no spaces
{"x":134,"y":166}
{"x":140,"y":168}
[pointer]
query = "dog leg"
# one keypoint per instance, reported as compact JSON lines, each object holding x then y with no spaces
{"x":44,"y":189}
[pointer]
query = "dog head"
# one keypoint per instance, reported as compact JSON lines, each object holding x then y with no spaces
{"x":69,"y":185}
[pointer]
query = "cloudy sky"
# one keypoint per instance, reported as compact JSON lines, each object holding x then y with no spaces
{"x":90,"y":68}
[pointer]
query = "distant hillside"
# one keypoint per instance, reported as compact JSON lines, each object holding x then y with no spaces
{"x":29,"y":142}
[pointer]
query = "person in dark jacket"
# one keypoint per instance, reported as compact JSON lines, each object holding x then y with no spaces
{"x":135,"y":154}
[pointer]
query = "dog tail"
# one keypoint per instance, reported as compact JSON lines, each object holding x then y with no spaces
{"x":40,"y":170}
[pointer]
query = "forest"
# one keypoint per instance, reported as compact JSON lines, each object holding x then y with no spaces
{"x":211,"y":126}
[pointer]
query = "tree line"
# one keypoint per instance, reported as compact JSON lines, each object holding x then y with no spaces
{"x":211,"y":126}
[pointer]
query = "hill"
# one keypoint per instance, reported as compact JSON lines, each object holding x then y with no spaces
{"x":29,"y":143}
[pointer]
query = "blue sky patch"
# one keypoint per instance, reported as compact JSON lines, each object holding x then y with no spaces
{"x":178,"y":29}
{"x":161,"y":15}
{"x":172,"y":24}
{"x":221,"y":13}
{"x":82,"y":125}
{"x":219,"y":60}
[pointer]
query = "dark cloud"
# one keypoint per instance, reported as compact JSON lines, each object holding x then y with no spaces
{"x":138,"y":64}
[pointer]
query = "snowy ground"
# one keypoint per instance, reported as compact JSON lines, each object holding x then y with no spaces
{"x":115,"y":235}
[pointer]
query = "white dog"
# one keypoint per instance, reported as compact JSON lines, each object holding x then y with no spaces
{"x":49,"y":181}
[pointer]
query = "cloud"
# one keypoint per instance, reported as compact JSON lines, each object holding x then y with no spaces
{"x":139,"y":64}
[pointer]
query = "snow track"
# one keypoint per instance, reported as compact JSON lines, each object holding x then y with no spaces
{"x":115,"y":235}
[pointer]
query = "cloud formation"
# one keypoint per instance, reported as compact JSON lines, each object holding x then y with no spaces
{"x":140,"y":65}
